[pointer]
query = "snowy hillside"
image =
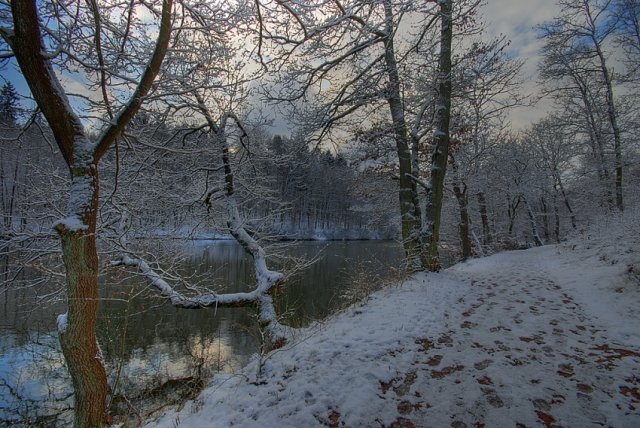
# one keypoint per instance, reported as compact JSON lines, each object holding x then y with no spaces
{"x":542,"y":337}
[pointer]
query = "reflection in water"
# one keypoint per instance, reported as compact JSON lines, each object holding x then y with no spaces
{"x":145,"y":341}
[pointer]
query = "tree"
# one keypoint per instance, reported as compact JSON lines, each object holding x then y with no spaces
{"x":575,"y":48}
{"x":8,"y":104}
{"x":548,"y":138}
{"x":627,"y":14}
{"x":82,"y":154}
{"x":354,"y":60}
{"x":440,"y":153}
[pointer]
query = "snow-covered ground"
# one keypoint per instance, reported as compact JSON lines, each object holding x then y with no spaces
{"x":542,"y":337}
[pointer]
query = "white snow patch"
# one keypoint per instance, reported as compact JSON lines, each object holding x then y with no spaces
{"x":61,"y":322}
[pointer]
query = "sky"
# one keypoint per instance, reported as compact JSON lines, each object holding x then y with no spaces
{"x":517,"y":19}
{"x":514,"y":18}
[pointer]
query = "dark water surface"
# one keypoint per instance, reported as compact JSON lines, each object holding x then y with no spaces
{"x":145,"y":341}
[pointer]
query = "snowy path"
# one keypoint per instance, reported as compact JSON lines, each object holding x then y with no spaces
{"x":522,"y":353}
{"x":527,"y":338}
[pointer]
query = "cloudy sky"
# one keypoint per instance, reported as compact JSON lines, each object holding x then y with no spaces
{"x":517,"y":19}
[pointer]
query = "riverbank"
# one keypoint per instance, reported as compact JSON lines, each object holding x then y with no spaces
{"x":542,"y":337}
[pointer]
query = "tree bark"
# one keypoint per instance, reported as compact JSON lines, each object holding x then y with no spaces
{"x":410,"y":211}
{"x":464,"y":225}
{"x":532,"y":222}
{"x":77,"y":327}
{"x":567,"y":204}
{"x":484,"y":218}
{"x":439,"y":157}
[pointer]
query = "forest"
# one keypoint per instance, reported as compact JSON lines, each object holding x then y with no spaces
{"x":130,"y":127}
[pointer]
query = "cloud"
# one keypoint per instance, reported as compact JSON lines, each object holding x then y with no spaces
{"x":516,"y":19}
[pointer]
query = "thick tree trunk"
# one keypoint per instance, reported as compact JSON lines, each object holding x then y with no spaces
{"x":77,"y":327}
{"x":410,"y":211}
{"x":440,"y":155}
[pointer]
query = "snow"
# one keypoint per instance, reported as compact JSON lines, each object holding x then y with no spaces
{"x":547,"y":336}
{"x":80,"y":195}
{"x":61,"y":322}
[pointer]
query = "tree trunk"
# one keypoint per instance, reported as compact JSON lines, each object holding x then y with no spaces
{"x":440,"y":155}
{"x":596,"y":138}
{"x":484,"y":218}
{"x":77,"y":327}
{"x":611,"y":113}
{"x":532,"y":222}
{"x":464,"y":226}
{"x":545,"y":218}
{"x":572,"y":215}
{"x":410,"y":211}
{"x":512,"y":213}
{"x":556,"y":213}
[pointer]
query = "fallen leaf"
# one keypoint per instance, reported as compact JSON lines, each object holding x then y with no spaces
{"x":546,"y":418}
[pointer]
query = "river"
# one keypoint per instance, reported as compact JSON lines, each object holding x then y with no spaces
{"x":145,"y":341}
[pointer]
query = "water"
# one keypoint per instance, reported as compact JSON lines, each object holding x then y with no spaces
{"x":145,"y":341}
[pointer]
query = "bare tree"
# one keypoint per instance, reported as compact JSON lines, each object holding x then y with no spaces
{"x":575,"y":48}
{"x":354,"y":59}
{"x":31,"y":46}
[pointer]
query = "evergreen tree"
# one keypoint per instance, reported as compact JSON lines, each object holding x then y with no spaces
{"x":8,"y":104}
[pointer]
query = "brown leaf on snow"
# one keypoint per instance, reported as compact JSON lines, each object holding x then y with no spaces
{"x":566,"y":370}
{"x":485,"y":380}
{"x":492,"y":397}
{"x":439,"y":374}
{"x":409,"y":379}
{"x":545,"y":418}
{"x":386,"y":385}
{"x":435,"y":360}
{"x":613,"y":354}
{"x":425,"y":343}
{"x":402,"y":423}
{"x":621,"y":353}
{"x":634,"y":393}
{"x":406,"y":407}
{"x":445,"y":339}
{"x":583,"y":387}
{"x":481,"y":365}
{"x":334,"y":419}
